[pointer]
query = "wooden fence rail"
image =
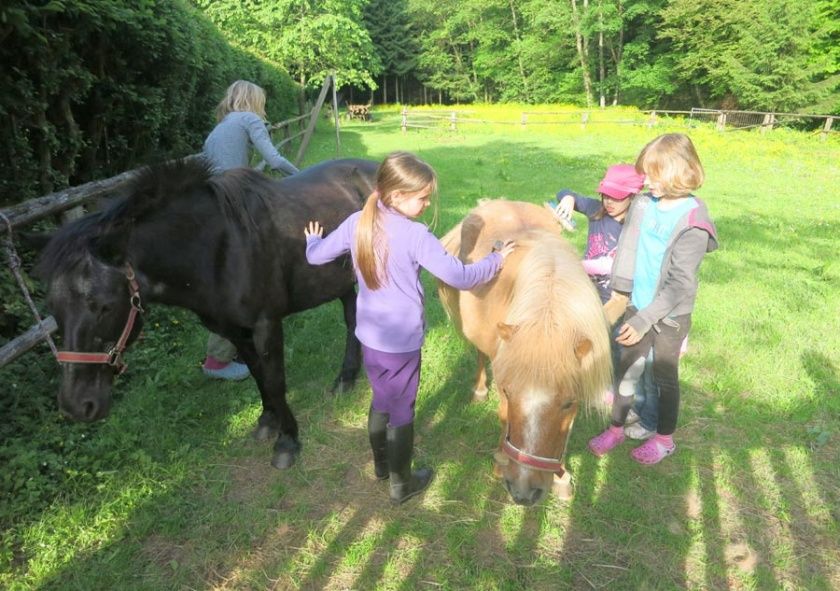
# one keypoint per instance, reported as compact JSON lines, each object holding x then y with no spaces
{"x":33,"y":210}
{"x":724,"y":120}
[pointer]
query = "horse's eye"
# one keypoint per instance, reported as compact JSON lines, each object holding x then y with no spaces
{"x":568,"y":405}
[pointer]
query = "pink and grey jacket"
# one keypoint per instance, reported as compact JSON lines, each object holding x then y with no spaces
{"x":693,"y":236}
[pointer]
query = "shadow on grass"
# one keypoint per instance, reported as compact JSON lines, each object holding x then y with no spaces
{"x":742,"y":503}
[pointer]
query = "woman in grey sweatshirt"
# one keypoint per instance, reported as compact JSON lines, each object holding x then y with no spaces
{"x":241,"y":125}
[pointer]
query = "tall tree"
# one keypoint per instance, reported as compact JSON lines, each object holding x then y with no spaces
{"x":753,"y":53}
{"x":309,"y":38}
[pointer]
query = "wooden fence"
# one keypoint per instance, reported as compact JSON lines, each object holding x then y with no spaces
{"x":30,"y":211}
{"x":723,"y":120}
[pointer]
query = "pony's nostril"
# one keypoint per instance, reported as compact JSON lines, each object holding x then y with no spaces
{"x":536,"y":495}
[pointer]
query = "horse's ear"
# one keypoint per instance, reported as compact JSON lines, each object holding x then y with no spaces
{"x":506,"y":331}
{"x":110,"y":247}
{"x":583,"y":347}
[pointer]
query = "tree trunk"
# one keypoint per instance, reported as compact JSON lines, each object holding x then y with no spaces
{"x":384,"y":89}
{"x":519,"y":51}
{"x":601,"y":72}
{"x":583,"y":51}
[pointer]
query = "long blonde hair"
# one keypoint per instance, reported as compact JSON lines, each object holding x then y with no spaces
{"x":400,"y":172}
{"x":242,"y":96}
{"x":672,"y":160}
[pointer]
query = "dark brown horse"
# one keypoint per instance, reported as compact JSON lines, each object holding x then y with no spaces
{"x":228,"y":247}
{"x":541,"y":325}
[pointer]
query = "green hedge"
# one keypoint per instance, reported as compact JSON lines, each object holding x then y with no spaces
{"x":91,"y":88}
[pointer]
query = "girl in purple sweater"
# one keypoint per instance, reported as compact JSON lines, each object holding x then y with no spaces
{"x":388,"y":249}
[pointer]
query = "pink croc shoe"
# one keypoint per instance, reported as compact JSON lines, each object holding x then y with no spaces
{"x":603,"y":443}
{"x":652,"y":451}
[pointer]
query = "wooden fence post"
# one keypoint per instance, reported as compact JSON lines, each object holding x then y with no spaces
{"x":584,"y":119}
{"x":524,"y":119}
{"x":826,"y":128}
{"x":769,"y":121}
{"x":404,"y":124}
{"x":721,"y":121}
{"x":652,"y":119}
{"x":453,"y":118}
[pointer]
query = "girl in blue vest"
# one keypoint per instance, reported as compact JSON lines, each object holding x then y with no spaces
{"x":666,"y":234}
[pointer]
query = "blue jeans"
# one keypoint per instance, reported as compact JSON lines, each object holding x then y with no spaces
{"x":646,"y":400}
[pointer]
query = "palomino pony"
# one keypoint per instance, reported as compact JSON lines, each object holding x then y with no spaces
{"x":541,"y":324}
{"x":230,"y":248}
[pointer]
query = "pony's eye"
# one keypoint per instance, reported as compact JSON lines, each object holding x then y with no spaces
{"x":568,"y":405}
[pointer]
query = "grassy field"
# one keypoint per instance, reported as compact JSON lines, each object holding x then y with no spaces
{"x":171,"y":493}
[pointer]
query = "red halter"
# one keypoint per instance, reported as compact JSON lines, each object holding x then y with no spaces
{"x":114,"y":356}
{"x":529,"y":460}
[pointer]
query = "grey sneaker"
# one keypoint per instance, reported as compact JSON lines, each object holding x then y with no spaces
{"x":232,"y":371}
{"x":637,"y":431}
{"x":632,"y":418}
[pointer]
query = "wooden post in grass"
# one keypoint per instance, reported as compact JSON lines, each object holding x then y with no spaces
{"x":826,"y":128}
{"x":652,"y":119}
{"x":404,"y":123}
{"x":721,"y":121}
{"x":767,"y":124}
{"x":524,"y":119}
{"x":584,"y":119}
{"x":453,"y":118}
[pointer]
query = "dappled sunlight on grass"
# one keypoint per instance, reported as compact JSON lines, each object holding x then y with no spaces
{"x":176,"y":494}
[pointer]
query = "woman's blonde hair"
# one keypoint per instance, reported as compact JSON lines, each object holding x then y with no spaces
{"x":400,"y":172}
{"x":672,"y":161}
{"x":242,"y":96}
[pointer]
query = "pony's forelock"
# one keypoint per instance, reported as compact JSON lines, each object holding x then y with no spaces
{"x":553,"y":307}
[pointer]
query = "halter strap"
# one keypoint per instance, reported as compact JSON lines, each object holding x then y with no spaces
{"x":114,"y":356}
{"x":531,"y":461}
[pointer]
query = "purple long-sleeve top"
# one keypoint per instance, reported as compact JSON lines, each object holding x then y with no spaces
{"x":391,"y":318}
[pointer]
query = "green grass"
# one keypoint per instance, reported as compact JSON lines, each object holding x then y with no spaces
{"x":171,"y":493}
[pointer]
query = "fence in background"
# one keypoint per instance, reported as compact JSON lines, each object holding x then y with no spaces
{"x":723,"y":120}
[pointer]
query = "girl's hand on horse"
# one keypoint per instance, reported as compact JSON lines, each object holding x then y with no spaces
{"x":507,"y":247}
{"x":627,"y":336}
{"x":313,"y":229}
{"x":565,"y":206}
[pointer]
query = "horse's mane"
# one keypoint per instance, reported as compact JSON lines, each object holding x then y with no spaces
{"x":554,"y":305}
{"x":240,"y":195}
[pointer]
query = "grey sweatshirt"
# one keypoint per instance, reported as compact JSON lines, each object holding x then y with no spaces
{"x":693,"y":236}
{"x":228,"y":145}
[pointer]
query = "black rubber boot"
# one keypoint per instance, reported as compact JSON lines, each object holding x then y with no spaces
{"x":404,"y":483}
{"x":378,"y":434}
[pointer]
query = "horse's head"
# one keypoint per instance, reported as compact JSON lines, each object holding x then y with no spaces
{"x":538,"y":405}
{"x":96,"y":308}
{"x":552,"y":358}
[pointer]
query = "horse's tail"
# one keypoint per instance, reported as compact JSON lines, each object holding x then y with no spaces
{"x":449,"y":297}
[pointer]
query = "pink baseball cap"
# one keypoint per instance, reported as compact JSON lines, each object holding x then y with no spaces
{"x":621,"y":181}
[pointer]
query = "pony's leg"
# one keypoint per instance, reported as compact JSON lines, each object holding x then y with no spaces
{"x":480,"y":388}
{"x":267,"y":364}
{"x":352,"y":348}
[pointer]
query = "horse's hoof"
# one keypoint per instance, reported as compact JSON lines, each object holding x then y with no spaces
{"x":479,"y":396}
{"x":283,"y":460}
{"x":264,"y":433}
{"x":562,"y":487}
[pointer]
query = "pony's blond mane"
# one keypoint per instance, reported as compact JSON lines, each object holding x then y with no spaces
{"x":554,"y":306}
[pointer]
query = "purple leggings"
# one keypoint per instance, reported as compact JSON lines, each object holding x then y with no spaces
{"x":394,"y":378}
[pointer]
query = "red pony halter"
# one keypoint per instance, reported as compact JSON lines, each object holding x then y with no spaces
{"x":114,"y":356}
{"x":531,"y":461}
